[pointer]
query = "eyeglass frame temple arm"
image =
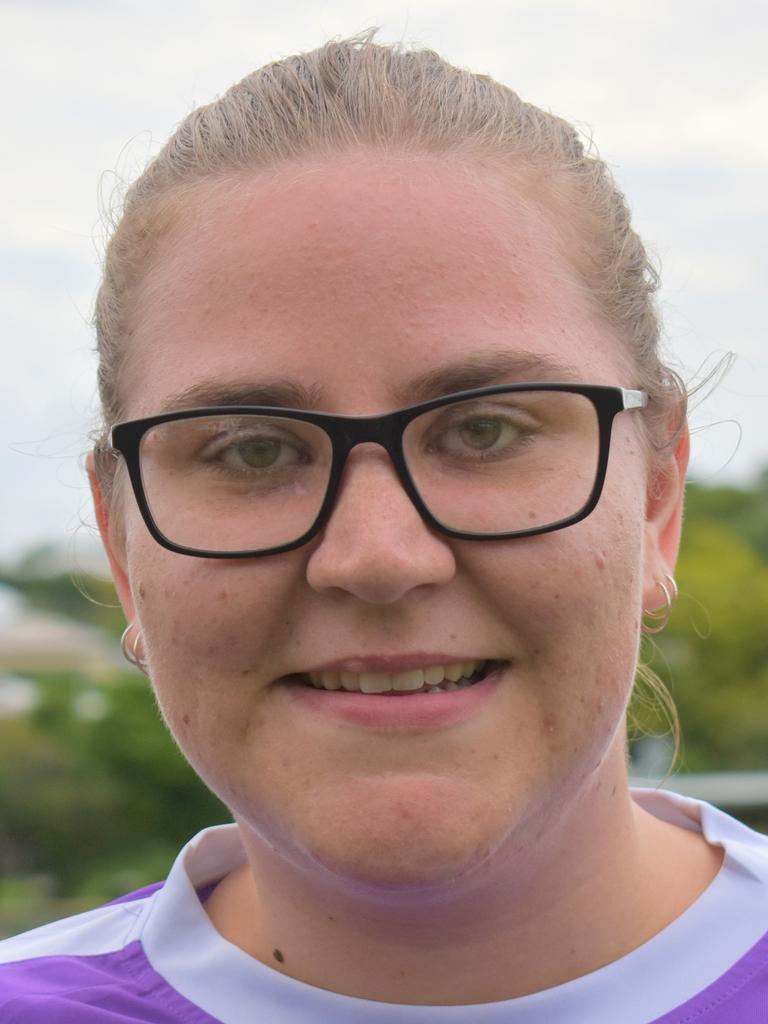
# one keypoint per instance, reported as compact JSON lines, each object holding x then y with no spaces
{"x":634,"y":399}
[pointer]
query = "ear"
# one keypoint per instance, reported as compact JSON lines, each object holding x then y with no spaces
{"x":664,"y":518}
{"x":112,"y":539}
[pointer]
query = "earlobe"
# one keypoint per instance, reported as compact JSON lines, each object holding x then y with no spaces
{"x":113,"y":544}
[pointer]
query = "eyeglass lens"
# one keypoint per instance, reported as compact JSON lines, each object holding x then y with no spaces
{"x":505,"y":462}
{"x":493,"y":464}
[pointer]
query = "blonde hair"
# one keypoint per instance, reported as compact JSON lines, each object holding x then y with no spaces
{"x":358,"y":93}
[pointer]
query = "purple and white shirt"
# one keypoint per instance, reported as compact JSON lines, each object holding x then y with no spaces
{"x":156,"y":958}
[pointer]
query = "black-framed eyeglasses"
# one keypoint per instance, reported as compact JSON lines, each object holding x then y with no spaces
{"x":512,"y":460}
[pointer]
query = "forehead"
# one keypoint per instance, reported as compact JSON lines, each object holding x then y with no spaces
{"x":355,"y":275}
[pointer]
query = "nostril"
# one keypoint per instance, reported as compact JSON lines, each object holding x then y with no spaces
{"x":376,"y":568}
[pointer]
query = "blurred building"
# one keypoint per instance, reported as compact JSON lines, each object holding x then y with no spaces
{"x":33,"y":642}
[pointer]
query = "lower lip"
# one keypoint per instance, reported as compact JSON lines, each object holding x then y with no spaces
{"x":412,"y":711}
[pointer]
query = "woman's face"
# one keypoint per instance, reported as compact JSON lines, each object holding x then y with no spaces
{"x":353,"y":279}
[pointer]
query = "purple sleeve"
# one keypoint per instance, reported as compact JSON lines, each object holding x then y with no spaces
{"x":111,"y":988}
{"x":740,"y":996}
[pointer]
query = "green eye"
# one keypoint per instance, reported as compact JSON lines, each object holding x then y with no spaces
{"x":259,"y":454}
{"x":481,"y":434}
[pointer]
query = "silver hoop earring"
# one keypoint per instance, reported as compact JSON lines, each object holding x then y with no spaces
{"x":656,"y":619}
{"x":130,"y":651}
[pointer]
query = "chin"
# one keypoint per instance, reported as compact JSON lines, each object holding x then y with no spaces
{"x":366,"y":870}
{"x":399,"y":839}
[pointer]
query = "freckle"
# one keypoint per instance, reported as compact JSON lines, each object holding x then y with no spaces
{"x":331,"y":917}
{"x":557,"y":596}
{"x":185,"y":719}
{"x":278,"y":956}
{"x":222,"y":595}
{"x":142,"y":591}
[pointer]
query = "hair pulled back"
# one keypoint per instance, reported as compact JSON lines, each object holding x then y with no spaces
{"x":358,"y":93}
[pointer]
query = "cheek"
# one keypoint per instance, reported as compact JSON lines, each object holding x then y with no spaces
{"x":570,"y":599}
{"x":571,"y":588}
{"x":206,"y":612}
{"x":217,"y":633}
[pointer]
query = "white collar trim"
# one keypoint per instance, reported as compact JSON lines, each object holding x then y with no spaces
{"x":669,"y":969}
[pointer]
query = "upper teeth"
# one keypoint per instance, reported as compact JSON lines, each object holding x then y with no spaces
{"x":381,"y":682}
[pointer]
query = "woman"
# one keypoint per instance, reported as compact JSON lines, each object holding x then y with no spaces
{"x":390,"y":472}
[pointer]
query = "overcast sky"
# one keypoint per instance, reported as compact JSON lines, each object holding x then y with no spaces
{"x":675,"y":93}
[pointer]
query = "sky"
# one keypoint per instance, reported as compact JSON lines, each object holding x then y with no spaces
{"x":674,"y":94}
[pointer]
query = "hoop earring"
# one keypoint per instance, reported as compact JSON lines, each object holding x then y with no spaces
{"x":131,"y":652}
{"x":659,"y":617}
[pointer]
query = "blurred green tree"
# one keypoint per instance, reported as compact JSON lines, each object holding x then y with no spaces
{"x":94,"y":805}
{"x":713,"y":656}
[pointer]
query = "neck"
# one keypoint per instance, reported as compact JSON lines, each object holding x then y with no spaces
{"x":548,"y":906}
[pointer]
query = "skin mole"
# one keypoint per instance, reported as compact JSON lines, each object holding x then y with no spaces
{"x":278,"y":956}
{"x":549,"y":723}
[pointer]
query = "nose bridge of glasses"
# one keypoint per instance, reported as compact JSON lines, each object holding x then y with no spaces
{"x":350,"y":432}
{"x":382,"y":431}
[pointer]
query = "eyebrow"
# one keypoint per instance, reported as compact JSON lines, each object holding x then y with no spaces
{"x":484,"y":369}
{"x":277,"y":392}
{"x":480,"y":370}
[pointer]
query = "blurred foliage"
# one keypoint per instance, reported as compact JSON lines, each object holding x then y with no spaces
{"x":713,"y":655}
{"x":94,"y":808}
{"x":96,"y":803}
{"x":744,"y":511}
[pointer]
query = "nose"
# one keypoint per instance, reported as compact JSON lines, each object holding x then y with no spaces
{"x":375,"y":545}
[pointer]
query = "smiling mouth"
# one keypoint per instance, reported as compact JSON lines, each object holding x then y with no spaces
{"x":433,"y":679}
